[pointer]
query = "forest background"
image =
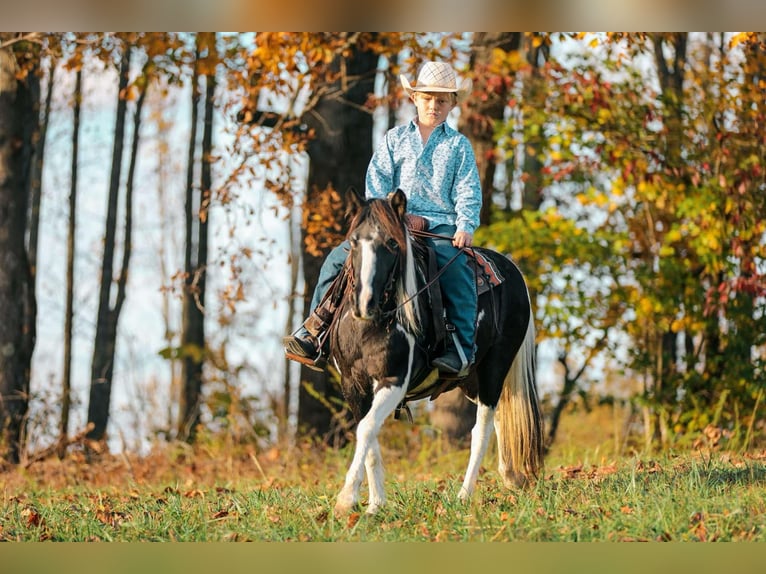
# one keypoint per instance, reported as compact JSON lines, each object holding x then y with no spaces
{"x":167,"y":198}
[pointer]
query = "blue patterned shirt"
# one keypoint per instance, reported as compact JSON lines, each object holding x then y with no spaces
{"x":441,"y":180}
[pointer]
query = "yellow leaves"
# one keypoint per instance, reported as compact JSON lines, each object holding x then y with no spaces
{"x":742,"y":38}
{"x":618,"y":187}
{"x":675,"y":234}
{"x":503,"y":62}
{"x":645,"y":306}
{"x":604,"y":115}
{"x":592,"y":197}
{"x":667,"y":251}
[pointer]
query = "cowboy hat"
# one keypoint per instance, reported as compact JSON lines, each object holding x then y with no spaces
{"x":437,"y":77}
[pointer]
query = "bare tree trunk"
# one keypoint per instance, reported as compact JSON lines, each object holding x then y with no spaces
{"x":17,"y":303}
{"x":35,"y":183}
{"x":294,"y":262}
{"x":166,"y":247}
{"x":102,"y":368}
{"x":193,"y":329}
{"x":66,"y":384}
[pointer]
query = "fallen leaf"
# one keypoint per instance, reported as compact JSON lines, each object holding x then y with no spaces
{"x":353,"y":518}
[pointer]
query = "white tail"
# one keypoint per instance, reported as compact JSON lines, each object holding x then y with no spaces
{"x":518,"y":421}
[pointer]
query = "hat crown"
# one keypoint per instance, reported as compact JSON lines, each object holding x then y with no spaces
{"x":438,"y":75}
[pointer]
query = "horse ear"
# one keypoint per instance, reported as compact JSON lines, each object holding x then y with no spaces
{"x":399,"y":202}
{"x":354,"y":202}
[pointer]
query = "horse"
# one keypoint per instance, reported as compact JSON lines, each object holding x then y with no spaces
{"x":379,"y":345}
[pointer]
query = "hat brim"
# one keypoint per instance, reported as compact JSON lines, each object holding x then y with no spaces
{"x":461,"y":93}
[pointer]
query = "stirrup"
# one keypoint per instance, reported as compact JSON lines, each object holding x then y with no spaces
{"x":316,"y":364}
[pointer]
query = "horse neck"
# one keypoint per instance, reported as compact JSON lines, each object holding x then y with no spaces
{"x":411,"y":283}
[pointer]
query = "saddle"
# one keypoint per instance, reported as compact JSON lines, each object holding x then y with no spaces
{"x":485,"y":271}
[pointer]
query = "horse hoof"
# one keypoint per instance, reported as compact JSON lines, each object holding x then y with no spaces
{"x":343,"y":507}
{"x":516,"y":480}
{"x":464,"y":496}
{"x":373,"y":509}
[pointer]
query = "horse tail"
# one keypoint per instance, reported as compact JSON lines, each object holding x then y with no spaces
{"x":519,"y":421}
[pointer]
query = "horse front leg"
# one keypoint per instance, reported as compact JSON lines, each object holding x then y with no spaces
{"x":368,"y":451}
{"x":482,"y":430}
{"x":373,"y":463}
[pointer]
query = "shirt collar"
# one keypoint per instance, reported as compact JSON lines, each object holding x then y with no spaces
{"x":414,"y":125}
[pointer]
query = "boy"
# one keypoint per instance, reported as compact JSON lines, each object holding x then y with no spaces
{"x":435,"y":167}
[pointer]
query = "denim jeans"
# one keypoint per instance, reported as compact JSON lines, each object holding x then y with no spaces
{"x":458,"y":284}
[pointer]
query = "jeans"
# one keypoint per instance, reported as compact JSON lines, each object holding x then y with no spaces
{"x":458,"y":284}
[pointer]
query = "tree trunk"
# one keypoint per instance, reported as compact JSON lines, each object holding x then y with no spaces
{"x":35,"y":180}
{"x":193,"y":322}
{"x":294,"y":263}
{"x":105,"y":344}
{"x":66,"y":384}
{"x":534,"y":94}
{"x":17,"y":303}
{"x":339,"y":156}
{"x":671,"y":78}
{"x":102,"y":366}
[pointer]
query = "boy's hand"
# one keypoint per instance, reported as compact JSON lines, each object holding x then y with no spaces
{"x":462,"y":239}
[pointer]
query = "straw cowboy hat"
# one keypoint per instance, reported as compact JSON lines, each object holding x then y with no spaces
{"x":437,"y":77}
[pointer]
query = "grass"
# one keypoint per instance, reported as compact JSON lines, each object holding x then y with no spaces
{"x":179,"y":494}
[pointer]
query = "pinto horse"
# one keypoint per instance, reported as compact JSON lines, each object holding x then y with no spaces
{"x":379,"y":345}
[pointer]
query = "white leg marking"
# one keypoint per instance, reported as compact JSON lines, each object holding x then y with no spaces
{"x":374,"y":465}
{"x":482,"y":430}
{"x":383,"y":404}
{"x":366,"y":274}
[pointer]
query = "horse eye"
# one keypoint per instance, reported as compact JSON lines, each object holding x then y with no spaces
{"x":392,"y":244}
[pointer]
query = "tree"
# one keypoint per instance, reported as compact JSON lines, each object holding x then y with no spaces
{"x":197,"y":206}
{"x":341,"y":147}
{"x":19,"y":87}
{"x":646,"y":183}
{"x":102,"y":365}
{"x":66,"y":390}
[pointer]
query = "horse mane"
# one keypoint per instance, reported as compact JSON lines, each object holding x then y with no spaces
{"x":381,"y":211}
{"x":393,"y":226}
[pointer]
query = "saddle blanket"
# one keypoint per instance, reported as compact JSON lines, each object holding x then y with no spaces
{"x":487,"y":274}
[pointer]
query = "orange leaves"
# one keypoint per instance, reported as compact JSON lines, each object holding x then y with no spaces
{"x":593,"y":473}
{"x":32,"y":518}
{"x":353,"y":518}
{"x":322,"y":218}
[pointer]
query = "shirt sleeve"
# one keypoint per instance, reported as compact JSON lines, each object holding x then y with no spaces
{"x":380,"y":171}
{"x":467,"y":189}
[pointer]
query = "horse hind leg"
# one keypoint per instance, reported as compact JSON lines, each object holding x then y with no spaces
{"x":480,"y":434}
{"x":367,"y":452}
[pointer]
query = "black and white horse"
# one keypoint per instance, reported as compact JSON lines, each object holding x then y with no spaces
{"x":379,"y":346}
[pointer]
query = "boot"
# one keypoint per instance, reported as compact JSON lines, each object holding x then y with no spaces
{"x":451,"y":362}
{"x":303,"y":347}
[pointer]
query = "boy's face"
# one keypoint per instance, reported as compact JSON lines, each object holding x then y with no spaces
{"x":433,"y":107}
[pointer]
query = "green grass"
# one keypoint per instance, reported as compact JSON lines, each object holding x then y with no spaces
{"x":682,"y":497}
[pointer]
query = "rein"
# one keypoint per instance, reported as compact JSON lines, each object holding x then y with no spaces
{"x":433,"y":279}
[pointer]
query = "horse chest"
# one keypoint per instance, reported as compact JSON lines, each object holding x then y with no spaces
{"x":373,"y":355}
